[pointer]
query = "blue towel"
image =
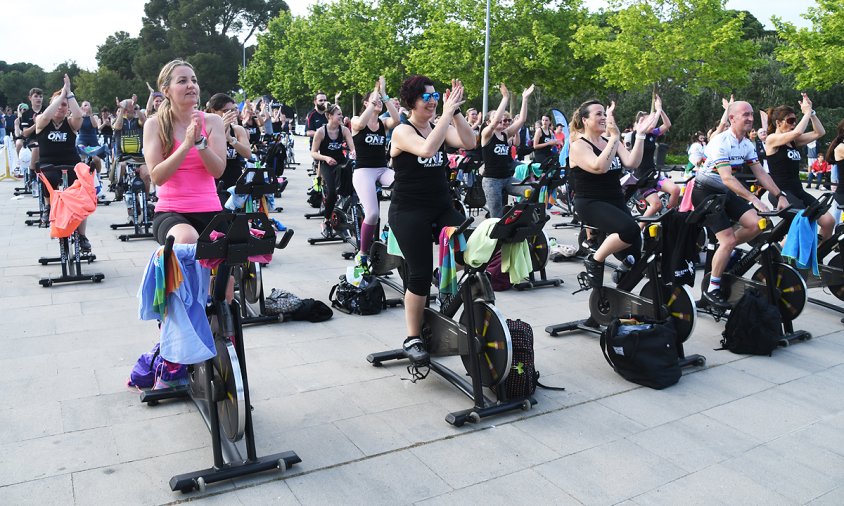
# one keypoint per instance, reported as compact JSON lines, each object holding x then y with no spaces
{"x":186,"y":336}
{"x":801,"y":244}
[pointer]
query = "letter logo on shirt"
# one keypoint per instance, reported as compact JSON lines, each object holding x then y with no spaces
{"x":794,"y":155}
{"x":335,"y":146}
{"x":374,"y":139}
{"x":501,"y":149}
{"x":57,"y":136}
{"x":434,"y":161}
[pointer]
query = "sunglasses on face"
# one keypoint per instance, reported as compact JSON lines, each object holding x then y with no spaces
{"x":426,"y":97}
{"x":791,"y":120}
{"x":506,"y":121}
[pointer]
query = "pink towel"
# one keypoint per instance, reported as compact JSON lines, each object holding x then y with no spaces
{"x":686,"y":204}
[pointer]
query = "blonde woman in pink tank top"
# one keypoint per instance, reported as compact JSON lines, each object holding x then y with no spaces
{"x":184,"y":150}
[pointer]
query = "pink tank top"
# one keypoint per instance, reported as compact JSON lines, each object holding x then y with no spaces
{"x":191,"y":189}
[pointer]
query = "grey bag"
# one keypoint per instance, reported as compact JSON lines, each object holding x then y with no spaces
{"x":281,"y":302}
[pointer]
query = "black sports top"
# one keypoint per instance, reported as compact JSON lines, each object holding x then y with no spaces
{"x":371,"y":147}
{"x":784,"y":165}
{"x":315,"y":120}
{"x":234,"y":164}
{"x":542,"y":154}
{"x":604,"y":186}
{"x":333,"y":147}
{"x":421,"y":181}
{"x":58,"y":145}
{"x":253,"y":131}
{"x":648,"y":162}
{"x":497,"y":160}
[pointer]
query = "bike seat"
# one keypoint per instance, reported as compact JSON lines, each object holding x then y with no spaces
{"x":653,"y":219}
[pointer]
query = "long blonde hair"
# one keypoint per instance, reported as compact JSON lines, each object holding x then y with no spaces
{"x":165,"y":110}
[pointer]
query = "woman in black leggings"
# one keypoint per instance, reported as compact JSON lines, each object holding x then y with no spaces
{"x":596,"y":163}
{"x":785,"y":136}
{"x":328,"y":149}
{"x":420,"y":196}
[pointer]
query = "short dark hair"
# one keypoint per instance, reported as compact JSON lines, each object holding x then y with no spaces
{"x":412,"y":88}
{"x":218,"y":101}
{"x":35,"y":91}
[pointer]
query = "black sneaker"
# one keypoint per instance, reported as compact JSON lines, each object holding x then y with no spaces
{"x":84,"y":244}
{"x":716,"y":299}
{"x":594,"y":271}
{"x":415,"y":351}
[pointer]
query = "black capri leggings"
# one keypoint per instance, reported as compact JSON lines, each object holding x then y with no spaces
{"x":611,"y":217}
{"x":329,"y":175}
{"x":794,"y":192}
{"x":411,"y":225}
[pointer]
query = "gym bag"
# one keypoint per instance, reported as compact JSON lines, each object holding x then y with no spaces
{"x":281,"y":302}
{"x":523,"y":378}
{"x":642,"y":351}
{"x":150,"y":366}
{"x":754,"y":326}
{"x":366,"y":299}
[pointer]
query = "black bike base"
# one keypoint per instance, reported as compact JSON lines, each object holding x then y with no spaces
{"x":37,"y":222}
{"x":314,"y":215}
{"x":318,"y":240}
{"x":260,"y":319}
{"x":33,"y":213}
{"x":826,"y":304}
{"x":458,"y":418}
{"x":136,"y":235}
{"x":115,"y":226}
{"x":84,"y":257}
{"x":198,"y":479}
{"x":48,"y":282}
{"x":532,"y":282}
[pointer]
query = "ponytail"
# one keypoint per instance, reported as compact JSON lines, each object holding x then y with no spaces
{"x":839,"y":138}
{"x":165,"y":124}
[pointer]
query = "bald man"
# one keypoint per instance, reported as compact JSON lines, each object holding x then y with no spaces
{"x":726,"y":153}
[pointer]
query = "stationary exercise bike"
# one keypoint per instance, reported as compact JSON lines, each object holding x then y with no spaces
{"x":135,"y":193}
{"x":779,"y":281}
{"x":219,"y":386}
{"x":70,"y":253}
{"x":657,"y":299}
{"x":256,"y":183}
{"x":346,"y":218}
{"x":480,"y":336}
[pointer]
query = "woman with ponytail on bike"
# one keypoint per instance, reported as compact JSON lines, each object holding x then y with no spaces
{"x":596,"y":163}
{"x":369,"y":132}
{"x":782,"y":148}
{"x":185,"y":150}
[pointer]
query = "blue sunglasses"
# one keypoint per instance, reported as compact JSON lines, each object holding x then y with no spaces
{"x":426,"y":97}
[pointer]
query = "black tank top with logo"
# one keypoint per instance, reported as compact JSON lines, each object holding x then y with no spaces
{"x":604,"y":186}
{"x":542,"y":154}
{"x":497,"y":160}
{"x":421,"y":181}
{"x":58,"y":145}
{"x":784,"y":165}
{"x":371,"y":147}
{"x":253,"y":131}
{"x":332,"y":147}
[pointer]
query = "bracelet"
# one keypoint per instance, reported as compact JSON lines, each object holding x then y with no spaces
{"x":385,"y":97}
{"x":780,"y":195}
{"x":70,"y":96}
{"x":814,"y":113}
{"x":457,"y":111}
{"x":640,"y":136}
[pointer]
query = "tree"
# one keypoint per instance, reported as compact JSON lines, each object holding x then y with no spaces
{"x":204,"y":33}
{"x":101,"y":87}
{"x":15,"y":84}
{"x":118,"y":52}
{"x":814,"y":55}
{"x":688,"y":43}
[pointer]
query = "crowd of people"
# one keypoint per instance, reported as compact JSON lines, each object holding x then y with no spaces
{"x":405,"y":142}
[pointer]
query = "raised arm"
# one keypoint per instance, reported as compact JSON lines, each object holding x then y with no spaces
{"x":519,"y":123}
{"x":666,"y":123}
{"x":489,"y":129}
{"x":645,"y":125}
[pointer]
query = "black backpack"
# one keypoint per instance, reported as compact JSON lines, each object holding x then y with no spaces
{"x":643,"y":351}
{"x":352,"y":299}
{"x":523,"y":378}
{"x":754,"y":326}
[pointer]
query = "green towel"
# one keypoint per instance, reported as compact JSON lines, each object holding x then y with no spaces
{"x":515,"y":258}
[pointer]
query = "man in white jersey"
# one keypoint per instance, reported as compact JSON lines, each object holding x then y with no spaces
{"x":725,"y":154}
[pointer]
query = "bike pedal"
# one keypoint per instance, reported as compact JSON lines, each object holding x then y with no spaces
{"x":583,"y":281}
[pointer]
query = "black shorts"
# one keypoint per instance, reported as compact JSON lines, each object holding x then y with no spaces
{"x":164,"y":221}
{"x":734,"y":207}
{"x":55,"y":177}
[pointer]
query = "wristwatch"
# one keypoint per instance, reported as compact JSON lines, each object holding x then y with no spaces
{"x":201,"y":144}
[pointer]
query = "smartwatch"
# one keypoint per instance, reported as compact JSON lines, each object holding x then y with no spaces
{"x":201,"y":144}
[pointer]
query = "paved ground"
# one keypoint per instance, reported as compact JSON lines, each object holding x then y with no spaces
{"x":742,"y":430}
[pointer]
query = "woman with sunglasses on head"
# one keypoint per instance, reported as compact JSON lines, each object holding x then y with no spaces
{"x":369,"y":132}
{"x":237,"y":141}
{"x":420,"y":196}
{"x":596,"y":163}
{"x":499,"y":165}
{"x":785,"y":136}
{"x":327,"y":149}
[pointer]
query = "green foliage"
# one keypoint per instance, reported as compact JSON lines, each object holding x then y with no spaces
{"x":103,"y":86}
{"x":117,"y":53}
{"x":814,"y":55}
{"x":16,"y":82}
{"x":693,"y":44}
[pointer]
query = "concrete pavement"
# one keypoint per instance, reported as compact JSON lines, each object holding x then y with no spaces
{"x":742,"y":430}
